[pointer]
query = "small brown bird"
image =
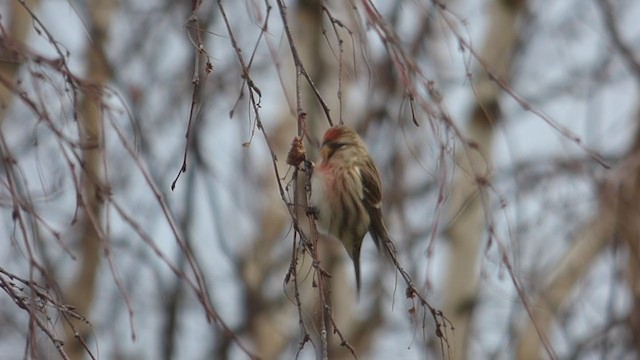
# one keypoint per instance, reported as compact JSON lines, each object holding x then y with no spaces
{"x":347,"y":193}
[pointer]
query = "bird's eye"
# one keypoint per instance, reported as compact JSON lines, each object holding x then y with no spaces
{"x":332,"y":147}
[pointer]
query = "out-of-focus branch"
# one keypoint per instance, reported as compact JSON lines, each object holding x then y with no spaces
{"x":634,"y":285}
{"x":617,"y":214}
{"x":81,"y":291}
{"x":625,"y":50}
{"x":628,"y":223}
{"x":588,"y":244}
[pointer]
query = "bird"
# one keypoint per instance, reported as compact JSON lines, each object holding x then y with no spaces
{"x":346,"y":193}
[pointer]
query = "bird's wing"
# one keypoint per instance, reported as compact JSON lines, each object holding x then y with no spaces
{"x":372,"y":193}
{"x":372,"y":200}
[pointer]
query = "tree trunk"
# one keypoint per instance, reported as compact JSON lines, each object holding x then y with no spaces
{"x":19,"y":28}
{"x":81,"y":292}
{"x":468,"y":201}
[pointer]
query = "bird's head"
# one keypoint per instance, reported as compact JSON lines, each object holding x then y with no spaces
{"x":341,"y":142}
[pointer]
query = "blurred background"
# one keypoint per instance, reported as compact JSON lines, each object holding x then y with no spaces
{"x":147,"y":209}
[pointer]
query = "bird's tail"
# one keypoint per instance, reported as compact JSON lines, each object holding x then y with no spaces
{"x":356,"y":266}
